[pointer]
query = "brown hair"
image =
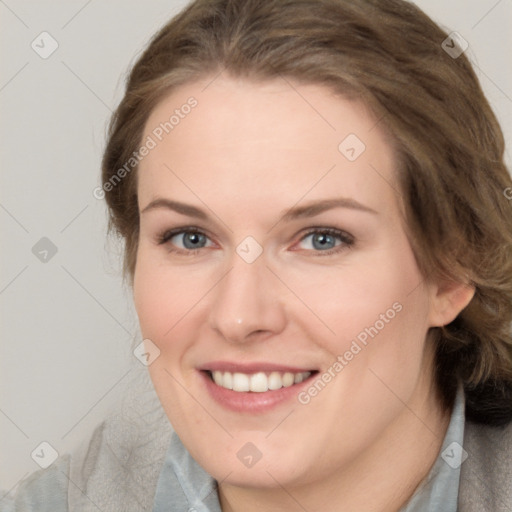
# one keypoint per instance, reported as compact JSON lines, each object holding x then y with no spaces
{"x":388,"y":54}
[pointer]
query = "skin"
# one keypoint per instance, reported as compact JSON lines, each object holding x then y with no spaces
{"x":245,"y":155}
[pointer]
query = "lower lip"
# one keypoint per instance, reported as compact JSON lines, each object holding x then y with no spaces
{"x":251,"y":401}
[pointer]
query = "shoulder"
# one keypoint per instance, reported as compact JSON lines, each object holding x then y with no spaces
{"x":486,"y":475}
{"x":116,"y":468}
{"x":45,"y":490}
{"x":50,"y":489}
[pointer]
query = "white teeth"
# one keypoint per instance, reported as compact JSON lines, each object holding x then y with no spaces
{"x":227,"y":381}
{"x":288,"y":379}
{"x":275,"y":381}
{"x":240,"y":382}
{"x":298,"y":378}
{"x":258,"y":382}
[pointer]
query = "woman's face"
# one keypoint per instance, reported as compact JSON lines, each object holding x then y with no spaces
{"x":272,"y":251}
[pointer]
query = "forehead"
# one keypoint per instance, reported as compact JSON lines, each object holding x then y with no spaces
{"x":278,"y":140}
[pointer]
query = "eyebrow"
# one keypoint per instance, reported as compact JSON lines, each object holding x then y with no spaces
{"x":297,"y":212}
{"x":317,"y":207}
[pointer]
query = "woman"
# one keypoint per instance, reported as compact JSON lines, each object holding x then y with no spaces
{"x":312,"y":196}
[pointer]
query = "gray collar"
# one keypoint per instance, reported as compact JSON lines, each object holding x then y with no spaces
{"x":439,"y":491}
{"x":183,"y":484}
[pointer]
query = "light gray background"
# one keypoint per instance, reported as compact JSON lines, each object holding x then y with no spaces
{"x":68,"y":325}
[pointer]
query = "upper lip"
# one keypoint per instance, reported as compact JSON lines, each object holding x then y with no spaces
{"x":254,"y":367}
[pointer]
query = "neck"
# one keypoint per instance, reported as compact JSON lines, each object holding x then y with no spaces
{"x":382,"y":479}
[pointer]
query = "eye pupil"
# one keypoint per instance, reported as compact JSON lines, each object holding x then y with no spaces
{"x":321,"y":240}
{"x":193,"y":240}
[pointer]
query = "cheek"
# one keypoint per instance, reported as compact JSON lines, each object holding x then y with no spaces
{"x":376,"y":313}
{"x":164,"y":300}
{"x":162,"y":297}
{"x":369,"y":295}
{"x":379,"y":320}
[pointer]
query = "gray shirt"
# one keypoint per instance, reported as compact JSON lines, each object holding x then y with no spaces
{"x":135,"y":462}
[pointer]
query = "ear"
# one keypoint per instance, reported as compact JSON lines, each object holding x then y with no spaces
{"x":447,"y":300}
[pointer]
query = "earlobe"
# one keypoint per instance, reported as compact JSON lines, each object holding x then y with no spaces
{"x":448,"y":300}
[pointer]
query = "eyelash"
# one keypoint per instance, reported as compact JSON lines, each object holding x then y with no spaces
{"x":346,"y":239}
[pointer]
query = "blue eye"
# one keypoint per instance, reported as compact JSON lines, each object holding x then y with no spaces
{"x":319,"y":241}
{"x":322,"y":241}
{"x":327,"y":240}
{"x":186,"y":240}
{"x":192,"y":240}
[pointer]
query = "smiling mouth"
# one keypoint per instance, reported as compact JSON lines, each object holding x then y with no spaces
{"x":258,"y":382}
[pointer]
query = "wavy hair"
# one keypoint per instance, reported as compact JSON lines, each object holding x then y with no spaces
{"x":452,"y":176}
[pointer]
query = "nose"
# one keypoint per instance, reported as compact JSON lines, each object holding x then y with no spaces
{"x":247,"y":304}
